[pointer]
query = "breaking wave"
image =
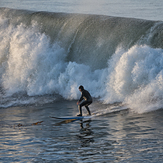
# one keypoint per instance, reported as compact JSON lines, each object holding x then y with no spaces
{"x":116,"y":59}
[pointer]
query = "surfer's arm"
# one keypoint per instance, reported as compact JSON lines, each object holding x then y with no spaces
{"x":78,"y":103}
{"x":81,"y":98}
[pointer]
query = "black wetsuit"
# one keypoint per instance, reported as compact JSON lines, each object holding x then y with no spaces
{"x":85,"y":100}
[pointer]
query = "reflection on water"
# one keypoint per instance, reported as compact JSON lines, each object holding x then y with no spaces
{"x":120,"y":137}
{"x":86,"y":134}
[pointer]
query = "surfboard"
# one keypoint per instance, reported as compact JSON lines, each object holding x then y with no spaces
{"x":75,"y":117}
{"x":95,"y":114}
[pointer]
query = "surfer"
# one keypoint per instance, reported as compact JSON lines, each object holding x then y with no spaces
{"x":85,"y":100}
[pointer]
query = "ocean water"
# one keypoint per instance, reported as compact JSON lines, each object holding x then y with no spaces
{"x":49,"y":48}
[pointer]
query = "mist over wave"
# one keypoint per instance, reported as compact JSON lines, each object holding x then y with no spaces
{"x":117,"y":59}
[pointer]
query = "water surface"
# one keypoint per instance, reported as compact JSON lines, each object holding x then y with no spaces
{"x":117,"y":137}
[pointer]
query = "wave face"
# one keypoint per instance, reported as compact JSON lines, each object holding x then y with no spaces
{"x":117,"y":59}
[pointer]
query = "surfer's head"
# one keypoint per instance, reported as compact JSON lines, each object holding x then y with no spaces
{"x":81,"y":88}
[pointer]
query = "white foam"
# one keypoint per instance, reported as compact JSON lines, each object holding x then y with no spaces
{"x":32,"y":64}
{"x":136,"y":78}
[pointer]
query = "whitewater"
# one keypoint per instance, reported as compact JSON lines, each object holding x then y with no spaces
{"x":117,"y":59}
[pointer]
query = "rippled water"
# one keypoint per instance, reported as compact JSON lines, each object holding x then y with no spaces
{"x":27,"y":134}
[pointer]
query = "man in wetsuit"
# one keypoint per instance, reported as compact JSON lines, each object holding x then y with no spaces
{"x":84,"y":100}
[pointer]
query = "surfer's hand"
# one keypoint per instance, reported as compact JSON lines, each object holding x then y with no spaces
{"x":78,"y":103}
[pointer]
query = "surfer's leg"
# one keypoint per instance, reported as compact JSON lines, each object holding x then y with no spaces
{"x":86,"y":106}
{"x":80,"y":110}
{"x":84,"y":103}
{"x":88,"y":110}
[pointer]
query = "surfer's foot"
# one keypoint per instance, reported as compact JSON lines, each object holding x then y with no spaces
{"x":79,"y":115}
{"x":88,"y":114}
